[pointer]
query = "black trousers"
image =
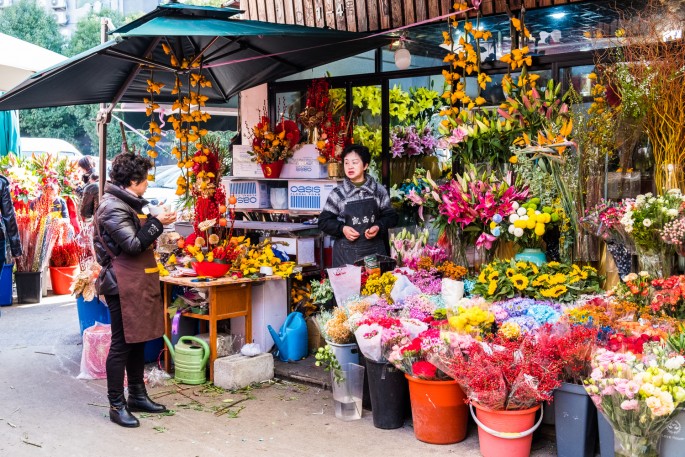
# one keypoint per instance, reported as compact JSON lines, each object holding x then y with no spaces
{"x":122,"y":356}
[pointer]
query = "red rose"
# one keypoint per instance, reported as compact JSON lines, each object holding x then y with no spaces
{"x":424,"y":370}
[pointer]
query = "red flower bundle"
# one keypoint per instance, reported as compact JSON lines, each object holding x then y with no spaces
{"x":623,"y":343}
{"x":669,"y":296}
{"x":66,"y":255}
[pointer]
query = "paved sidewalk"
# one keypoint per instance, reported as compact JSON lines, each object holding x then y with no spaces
{"x":46,"y":411}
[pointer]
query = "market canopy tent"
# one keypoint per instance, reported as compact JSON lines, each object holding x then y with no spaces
{"x":20,"y":59}
{"x":235,"y":55}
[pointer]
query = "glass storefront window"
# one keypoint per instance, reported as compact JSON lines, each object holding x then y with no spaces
{"x":355,"y":65}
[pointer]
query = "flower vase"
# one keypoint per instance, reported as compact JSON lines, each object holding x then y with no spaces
{"x":335,"y":170}
{"x":534,"y":255}
{"x":658,"y":263}
{"x":627,"y":445}
{"x":272,"y":170}
{"x":403,"y":168}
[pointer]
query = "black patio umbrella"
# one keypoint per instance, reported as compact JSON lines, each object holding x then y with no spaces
{"x":234,"y":54}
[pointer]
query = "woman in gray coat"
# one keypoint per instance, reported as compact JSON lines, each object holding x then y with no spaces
{"x":357,"y":213}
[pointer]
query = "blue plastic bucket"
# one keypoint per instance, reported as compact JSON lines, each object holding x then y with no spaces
{"x":90,"y":312}
{"x":6,"y":284}
{"x":152,"y":350}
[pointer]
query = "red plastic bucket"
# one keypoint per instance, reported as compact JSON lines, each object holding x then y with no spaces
{"x":505,"y":433}
{"x":61,"y":279}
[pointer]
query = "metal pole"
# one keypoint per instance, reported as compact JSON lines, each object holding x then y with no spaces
{"x":102,"y":120}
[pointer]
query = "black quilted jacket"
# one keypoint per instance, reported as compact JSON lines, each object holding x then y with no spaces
{"x":121,"y":230}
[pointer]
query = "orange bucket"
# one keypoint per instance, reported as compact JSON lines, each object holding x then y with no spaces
{"x":61,"y":279}
{"x":507,"y":433}
{"x":438,"y":410}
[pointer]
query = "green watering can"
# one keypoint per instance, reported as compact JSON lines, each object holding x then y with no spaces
{"x":190,"y":359}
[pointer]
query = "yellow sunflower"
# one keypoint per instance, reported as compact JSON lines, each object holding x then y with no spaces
{"x":492,"y":287}
{"x":481,"y":277}
{"x":510,"y":272}
{"x":519,"y":281}
{"x":521,"y":265}
{"x":493,"y":276}
{"x":540,"y":280}
{"x":554,"y":292}
{"x":572,"y":279}
{"x":558,"y":278}
{"x":553,"y":264}
{"x":534,"y":268}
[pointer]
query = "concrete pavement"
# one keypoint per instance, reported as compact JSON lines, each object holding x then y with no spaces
{"x":46,"y":411}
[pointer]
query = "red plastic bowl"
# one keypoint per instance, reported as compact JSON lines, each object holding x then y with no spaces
{"x":211,"y":269}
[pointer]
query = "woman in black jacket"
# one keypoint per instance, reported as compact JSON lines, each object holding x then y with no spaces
{"x":9,"y":231}
{"x":129,"y":280}
{"x":357,"y":213}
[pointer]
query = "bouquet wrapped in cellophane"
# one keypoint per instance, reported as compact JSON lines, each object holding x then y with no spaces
{"x":637,"y":395}
{"x":501,"y":373}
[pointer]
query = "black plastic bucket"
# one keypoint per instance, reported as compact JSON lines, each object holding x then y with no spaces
{"x":389,"y":395}
{"x":29,"y":287}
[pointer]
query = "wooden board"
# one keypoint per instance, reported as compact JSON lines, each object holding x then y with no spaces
{"x":261,"y":10}
{"x":409,"y":17}
{"x":372,"y":6}
{"x":396,"y":13}
{"x":270,"y":11}
{"x":434,"y":8}
{"x":299,"y":12}
{"x":340,"y":18}
{"x":350,"y":11}
{"x":225,"y":281}
{"x":319,"y":13}
{"x":279,"y":8}
{"x":329,"y":13}
{"x":289,"y":12}
{"x":362,"y":22}
{"x":421,"y":10}
{"x":309,"y":13}
{"x":384,"y":14}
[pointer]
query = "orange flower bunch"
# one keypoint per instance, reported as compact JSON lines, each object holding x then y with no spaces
{"x":452,"y":271}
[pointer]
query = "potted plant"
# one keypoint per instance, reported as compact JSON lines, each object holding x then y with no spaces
{"x":90,"y":308}
{"x":273,"y":145}
{"x":63,"y":266}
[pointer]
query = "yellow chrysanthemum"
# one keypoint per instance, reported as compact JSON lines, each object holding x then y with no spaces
{"x":510,"y":330}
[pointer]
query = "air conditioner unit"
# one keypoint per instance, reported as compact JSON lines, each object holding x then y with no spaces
{"x":58,"y":4}
{"x":61,"y":18}
{"x":5,"y":3}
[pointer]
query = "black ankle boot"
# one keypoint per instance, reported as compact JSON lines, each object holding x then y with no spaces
{"x":138,"y":400}
{"x":119,"y":413}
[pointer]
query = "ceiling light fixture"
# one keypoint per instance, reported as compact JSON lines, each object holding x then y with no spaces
{"x":557,"y":15}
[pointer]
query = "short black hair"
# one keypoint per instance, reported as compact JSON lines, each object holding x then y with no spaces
{"x":128,"y":168}
{"x":94,"y":177}
{"x":362,"y":151}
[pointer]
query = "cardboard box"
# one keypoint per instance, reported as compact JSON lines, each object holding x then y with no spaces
{"x":309,"y":195}
{"x":304,"y":164}
{"x":250,"y":194}
{"x":269,"y":307}
{"x":301,"y":247}
{"x":242,"y":165}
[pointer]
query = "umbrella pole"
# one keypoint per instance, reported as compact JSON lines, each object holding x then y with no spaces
{"x":103,"y":119}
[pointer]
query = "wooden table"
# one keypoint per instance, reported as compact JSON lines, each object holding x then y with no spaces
{"x":227,"y":297}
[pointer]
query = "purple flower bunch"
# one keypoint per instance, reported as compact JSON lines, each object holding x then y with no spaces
{"x":427,"y":281}
{"x":419,"y":307}
{"x":409,"y":142}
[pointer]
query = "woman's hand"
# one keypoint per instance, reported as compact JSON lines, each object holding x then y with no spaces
{"x":350,"y":233}
{"x":166,"y":218}
{"x":371,"y":232}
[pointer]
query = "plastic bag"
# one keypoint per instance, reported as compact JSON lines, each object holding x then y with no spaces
{"x":96,"y":342}
{"x":156,"y":377}
{"x":403,"y":288}
{"x":368,"y":338}
{"x":452,"y":291}
{"x":345,"y":281}
{"x":251,"y":350}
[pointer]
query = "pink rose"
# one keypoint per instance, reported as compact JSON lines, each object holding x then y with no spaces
{"x":630,"y":405}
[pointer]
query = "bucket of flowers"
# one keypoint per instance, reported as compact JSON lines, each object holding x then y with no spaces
{"x":273,"y":145}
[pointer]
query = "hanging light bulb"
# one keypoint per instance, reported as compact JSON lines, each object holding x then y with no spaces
{"x":402,"y":56}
